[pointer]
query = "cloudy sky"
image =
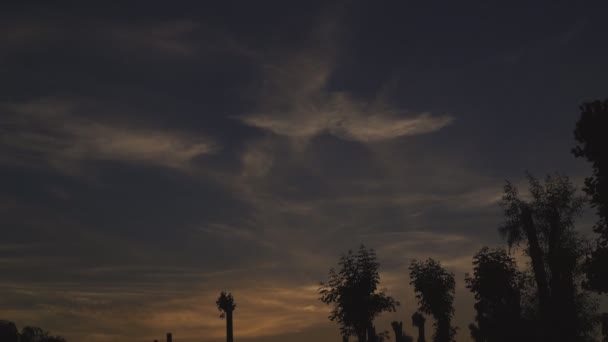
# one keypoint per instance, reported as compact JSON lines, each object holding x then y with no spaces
{"x":152,"y":155}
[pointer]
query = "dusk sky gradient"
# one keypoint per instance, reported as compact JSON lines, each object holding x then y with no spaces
{"x":153,"y":154}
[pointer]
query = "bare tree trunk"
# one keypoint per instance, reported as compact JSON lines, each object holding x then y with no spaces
{"x":421,"y":333}
{"x":229,"y":337}
{"x":398,"y":329}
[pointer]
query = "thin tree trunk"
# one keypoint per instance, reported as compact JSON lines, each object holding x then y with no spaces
{"x":229,"y":337}
{"x":398,"y":329}
{"x":421,"y":333}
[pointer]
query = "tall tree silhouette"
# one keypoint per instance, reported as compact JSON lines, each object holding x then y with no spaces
{"x":519,"y":226}
{"x":434,"y":287}
{"x":418,"y":321}
{"x":590,"y":133}
{"x":226,"y":305}
{"x":353,"y":292}
{"x":496,"y":284}
{"x":546,"y":223}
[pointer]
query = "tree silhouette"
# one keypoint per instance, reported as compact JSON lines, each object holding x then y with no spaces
{"x":496,"y":284}
{"x":226,"y":305}
{"x":519,"y":226}
{"x":36,"y":334}
{"x":8,"y":332}
{"x":418,"y":321}
{"x":546,"y":223}
{"x":353,"y":292}
{"x":434,"y":287}
{"x":33,"y":334}
{"x":590,"y":133}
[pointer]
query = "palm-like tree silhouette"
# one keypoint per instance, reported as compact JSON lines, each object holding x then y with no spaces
{"x":226,"y":305}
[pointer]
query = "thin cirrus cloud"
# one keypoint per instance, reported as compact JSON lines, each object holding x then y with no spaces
{"x":48,"y":131}
{"x":297,"y":103}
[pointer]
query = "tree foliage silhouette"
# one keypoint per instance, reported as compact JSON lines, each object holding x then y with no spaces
{"x":226,"y":305}
{"x":590,"y":133}
{"x":36,"y":334}
{"x":496,"y":284}
{"x":55,"y":339}
{"x":353,"y":292}
{"x":519,"y":227}
{"x":434,"y":287}
{"x":545,"y":223}
{"x":8,"y":332}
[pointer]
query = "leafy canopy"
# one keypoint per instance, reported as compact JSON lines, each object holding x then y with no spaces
{"x":353,"y":292}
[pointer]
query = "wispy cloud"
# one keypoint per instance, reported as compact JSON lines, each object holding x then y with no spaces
{"x":297,"y":102}
{"x":49,"y":130}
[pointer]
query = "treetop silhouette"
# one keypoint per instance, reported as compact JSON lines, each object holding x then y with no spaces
{"x":353,"y":293}
{"x":435,"y":288}
{"x":496,"y":284}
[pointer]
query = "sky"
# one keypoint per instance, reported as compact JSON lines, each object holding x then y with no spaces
{"x":153,"y":154}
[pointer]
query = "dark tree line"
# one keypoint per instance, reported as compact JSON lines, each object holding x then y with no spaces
{"x":10,"y":333}
{"x":543,"y":303}
{"x":548,"y":301}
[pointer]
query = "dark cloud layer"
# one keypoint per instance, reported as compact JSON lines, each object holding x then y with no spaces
{"x":153,"y":155}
